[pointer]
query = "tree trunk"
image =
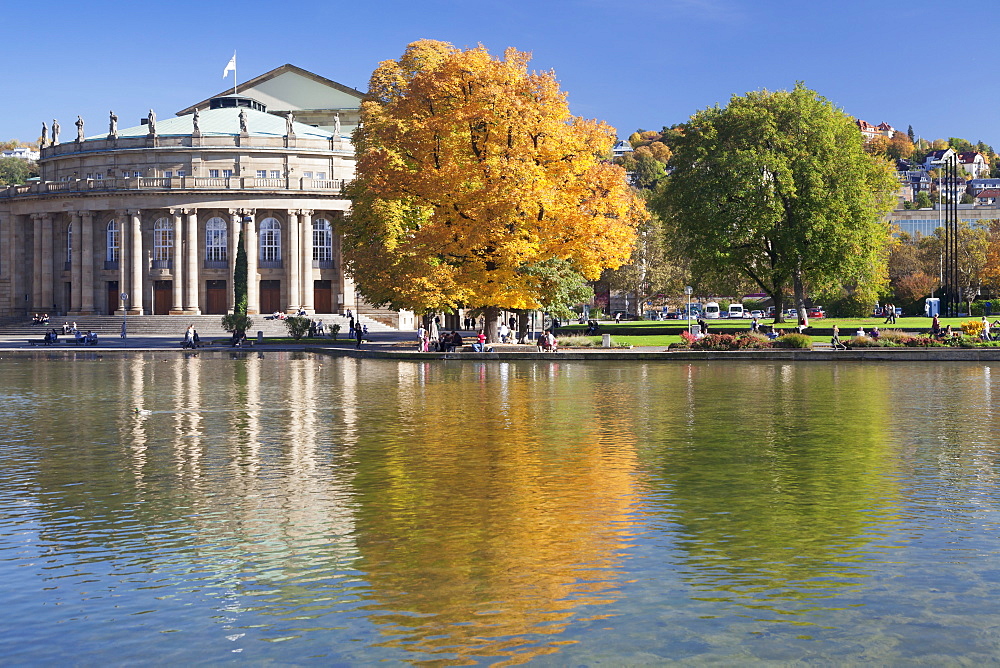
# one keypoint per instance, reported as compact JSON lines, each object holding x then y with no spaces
{"x":490,"y":328}
{"x":800,"y":297}
{"x":522,"y":326}
{"x":779,"y":307}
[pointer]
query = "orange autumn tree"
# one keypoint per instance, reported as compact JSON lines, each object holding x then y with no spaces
{"x":475,"y":186}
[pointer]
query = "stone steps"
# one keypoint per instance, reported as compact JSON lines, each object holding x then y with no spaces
{"x":167,"y":325}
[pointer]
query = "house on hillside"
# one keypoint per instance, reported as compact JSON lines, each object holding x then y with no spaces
{"x":871,"y":131}
{"x":989,"y":197}
{"x":974,"y":163}
{"x":935,"y":158}
{"x":622,"y":148}
{"x":976,"y":186}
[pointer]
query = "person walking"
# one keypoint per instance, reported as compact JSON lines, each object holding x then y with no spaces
{"x":935,"y":325}
{"x":985,"y":335}
{"x":358,"y":336}
{"x":835,"y":341}
{"x":421,"y":339}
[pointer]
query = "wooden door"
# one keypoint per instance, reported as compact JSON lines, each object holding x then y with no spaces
{"x":113,"y":301}
{"x":215,"y":297}
{"x":322,"y":297}
{"x":162,"y":297}
{"x":270,"y":296}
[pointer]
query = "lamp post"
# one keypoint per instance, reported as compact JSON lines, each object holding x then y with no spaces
{"x":688,"y":290}
{"x":124,"y":297}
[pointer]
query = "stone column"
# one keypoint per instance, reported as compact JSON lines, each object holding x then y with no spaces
{"x":253,"y":278}
{"x":138,"y":258}
{"x":48,"y":276}
{"x":192,"y":276}
{"x":177,"y":270}
{"x":36,"y":266}
{"x":234,"y":239}
{"x":306,"y":251}
{"x":121,"y":217}
{"x":76,"y":266}
{"x":87,"y":262}
{"x":292,"y":262}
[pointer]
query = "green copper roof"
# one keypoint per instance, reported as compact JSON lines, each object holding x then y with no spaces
{"x":223,"y":122}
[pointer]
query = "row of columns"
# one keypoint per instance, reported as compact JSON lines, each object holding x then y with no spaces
{"x":133,"y":268}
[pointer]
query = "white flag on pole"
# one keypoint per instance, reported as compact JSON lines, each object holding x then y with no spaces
{"x":230,"y":67}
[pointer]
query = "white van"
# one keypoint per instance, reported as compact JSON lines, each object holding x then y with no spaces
{"x":736,"y":311}
{"x":712,"y":310}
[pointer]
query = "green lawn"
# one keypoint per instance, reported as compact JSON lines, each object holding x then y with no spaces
{"x":632,"y":331}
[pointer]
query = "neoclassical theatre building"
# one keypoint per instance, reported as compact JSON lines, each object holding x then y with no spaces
{"x":154,"y":210}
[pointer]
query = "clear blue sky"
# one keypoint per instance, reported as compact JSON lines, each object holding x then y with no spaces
{"x":634,"y":63}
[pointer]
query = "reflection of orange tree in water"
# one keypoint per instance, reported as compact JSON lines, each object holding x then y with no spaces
{"x":485,"y":546}
{"x":769,"y":510}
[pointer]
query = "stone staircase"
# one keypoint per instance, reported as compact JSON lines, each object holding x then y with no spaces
{"x":208,"y":326}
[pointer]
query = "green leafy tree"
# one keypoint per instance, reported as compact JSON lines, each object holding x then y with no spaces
{"x":240,"y":277}
{"x":648,"y":170}
{"x":238,"y":320}
{"x":14,"y":171}
{"x":924,"y":200}
{"x":909,"y":133}
{"x":777,"y":187}
{"x":959,"y":144}
{"x":297,"y":326}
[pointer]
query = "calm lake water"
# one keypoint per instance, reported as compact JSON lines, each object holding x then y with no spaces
{"x":290,"y":509}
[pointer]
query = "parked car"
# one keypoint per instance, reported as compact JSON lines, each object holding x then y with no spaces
{"x":816,"y":312}
{"x":757,"y":314}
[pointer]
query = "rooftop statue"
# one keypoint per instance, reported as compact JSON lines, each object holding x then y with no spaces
{"x":45,"y":135}
{"x":55,"y":132}
{"x":151,"y":118}
{"x":112,"y":125}
{"x":243,"y":122}
{"x":196,"y":129}
{"x":79,"y":128}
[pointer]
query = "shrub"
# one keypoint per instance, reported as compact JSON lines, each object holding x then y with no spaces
{"x":714,"y":342}
{"x":752,"y":341}
{"x":794,"y":340}
{"x":893,"y":336}
{"x":577,"y":342}
{"x":233,"y":321}
{"x":973,"y":328}
{"x":922,"y":342}
{"x":334,"y":330}
{"x":862,"y":342}
{"x":688,"y":338}
{"x":297,"y":326}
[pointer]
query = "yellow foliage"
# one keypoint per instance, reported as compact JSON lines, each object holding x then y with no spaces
{"x":471,"y":169}
{"x":973,"y":328}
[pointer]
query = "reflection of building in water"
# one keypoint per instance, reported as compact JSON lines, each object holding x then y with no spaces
{"x":244,"y":452}
{"x":482,"y":538}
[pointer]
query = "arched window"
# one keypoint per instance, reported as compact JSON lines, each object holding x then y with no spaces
{"x":112,"y":242}
{"x":69,"y":244}
{"x":163,"y":243}
{"x":216,"y":243}
{"x":322,"y":243}
{"x":270,"y":243}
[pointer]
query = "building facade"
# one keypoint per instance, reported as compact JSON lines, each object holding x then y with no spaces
{"x":146,"y":219}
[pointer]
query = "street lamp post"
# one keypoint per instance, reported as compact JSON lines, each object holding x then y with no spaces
{"x":688,"y":290}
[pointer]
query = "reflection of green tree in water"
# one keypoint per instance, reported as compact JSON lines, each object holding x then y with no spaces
{"x":775,"y":493}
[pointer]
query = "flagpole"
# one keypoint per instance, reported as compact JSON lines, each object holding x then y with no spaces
{"x":235,"y":79}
